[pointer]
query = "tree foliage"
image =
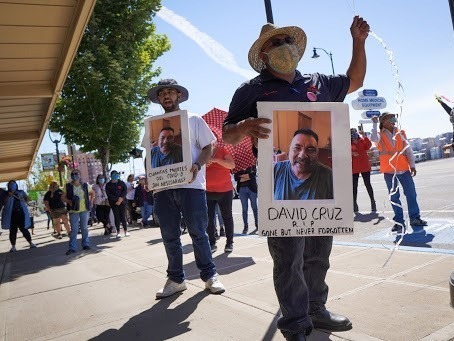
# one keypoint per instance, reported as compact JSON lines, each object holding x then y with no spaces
{"x":103,"y":101}
{"x":39,"y":180}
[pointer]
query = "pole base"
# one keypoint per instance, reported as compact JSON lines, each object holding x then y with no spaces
{"x":451,"y":287}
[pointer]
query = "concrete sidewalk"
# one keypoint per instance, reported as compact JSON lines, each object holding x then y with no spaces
{"x":109,"y":293}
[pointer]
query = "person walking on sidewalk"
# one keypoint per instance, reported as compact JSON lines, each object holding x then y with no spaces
{"x":116,"y":193}
{"x":300,"y":263}
{"x":15,"y":214}
{"x":246,"y":184}
{"x":220,"y":193}
{"x":78,"y":197}
{"x":360,"y":144}
{"x":102,"y":203}
{"x":187,"y":201}
{"x":130,"y":209}
{"x":397,"y":162}
{"x":57,"y":208}
{"x":143,"y":198}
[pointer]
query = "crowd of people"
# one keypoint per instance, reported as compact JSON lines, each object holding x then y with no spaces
{"x":300,"y":263}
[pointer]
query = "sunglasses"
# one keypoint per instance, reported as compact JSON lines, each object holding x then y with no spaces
{"x":279,"y":42}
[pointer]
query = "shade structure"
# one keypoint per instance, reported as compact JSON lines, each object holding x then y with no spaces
{"x":242,"y":152}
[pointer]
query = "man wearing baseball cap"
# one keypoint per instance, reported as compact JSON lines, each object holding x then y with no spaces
{"x":300,"y":263}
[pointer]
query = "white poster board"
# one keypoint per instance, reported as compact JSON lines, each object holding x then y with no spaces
{"x":327,"y":206}
{"x":179,"y":171}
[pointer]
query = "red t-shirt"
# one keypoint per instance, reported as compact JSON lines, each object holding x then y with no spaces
{"x":360,"y":162}
{"x":218,"y":177}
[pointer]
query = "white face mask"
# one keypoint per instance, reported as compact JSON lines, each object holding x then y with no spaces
{"x":283,"y":59}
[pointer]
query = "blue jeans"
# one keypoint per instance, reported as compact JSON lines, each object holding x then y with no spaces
{"x":146,"y":210}
{"x":299,"y":271}
{"x":408,"y":185}
{"x":245,"y":194}
{"x":78,"y":220}
{"x":169,"y":205}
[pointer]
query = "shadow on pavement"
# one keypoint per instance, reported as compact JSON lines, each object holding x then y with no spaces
{"x":157,"y":323}
{"x":419,"y":238}
{"x":365,"y":218}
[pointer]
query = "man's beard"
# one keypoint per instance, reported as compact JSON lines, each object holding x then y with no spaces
{"x":306,"y":164}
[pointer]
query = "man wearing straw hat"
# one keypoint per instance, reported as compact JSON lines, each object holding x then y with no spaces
{"x":300,"y":263}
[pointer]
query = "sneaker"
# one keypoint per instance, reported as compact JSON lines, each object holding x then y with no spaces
{"x":228,"y":247}
{"x":170,"y":288}
{"x":245,"y":230}
{"x":418,"y":222}
{"x":32,"y":246}
{"x":86,"y":247}
{"x":13,"y":249}
{"x":214,"y":248}
{"x":69,"y":252}
{"x":214,"y":285}
{"x":118,"y":235}
{"x":58,"y":236}
{"x":127,"y":234}
{"x":222,"y":232}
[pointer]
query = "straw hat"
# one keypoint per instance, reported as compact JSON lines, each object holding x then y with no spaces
{"x":268,"y":31}
{"x":167,"y":83}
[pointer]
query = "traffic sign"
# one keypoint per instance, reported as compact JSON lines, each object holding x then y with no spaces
{"x":368,"y":92}
{"x":369,"y":103}
{"x":370,"y":114}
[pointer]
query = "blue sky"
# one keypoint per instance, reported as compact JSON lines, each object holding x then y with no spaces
{"x":211,"y":39}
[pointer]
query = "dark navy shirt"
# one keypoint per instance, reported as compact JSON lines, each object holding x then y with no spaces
{"x":267,"y":88}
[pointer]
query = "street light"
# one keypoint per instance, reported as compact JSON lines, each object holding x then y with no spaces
{"x":56,"y":138}
{"x":330,"y":55}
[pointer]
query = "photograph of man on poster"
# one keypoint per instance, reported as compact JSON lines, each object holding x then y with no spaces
{"x":303,"y":157}
{"x":302,"y":176}
{"x":167,"y":151}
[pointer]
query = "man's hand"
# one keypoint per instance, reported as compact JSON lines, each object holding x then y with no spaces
{"x":194,"y":171}
{"x":359,"y":29}
{"x":375,"y":119}
{"x":119,"y":201}
{"x":252,"y":127}
{"x":413,"y":171}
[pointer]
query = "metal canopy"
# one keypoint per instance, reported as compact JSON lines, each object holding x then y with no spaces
{"x":38,"y":42}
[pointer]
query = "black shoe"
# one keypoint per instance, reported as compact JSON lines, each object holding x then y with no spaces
{"x":228,"y":247}
{"x":330,"y":321}
{"x":222,"y":232}
{"x":245,"y":230}
{"x":296,"y":337}
{"x":214,"y":248}
{"x":69,"y":252}
{"x":86,"y":247}
{"x":398,"y":228}
{"x":418,"y":222}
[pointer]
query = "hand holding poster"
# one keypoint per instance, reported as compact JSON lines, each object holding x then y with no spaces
{"x":166,"y":140}
{"x":305,"y":176}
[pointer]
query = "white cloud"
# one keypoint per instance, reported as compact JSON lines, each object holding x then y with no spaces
{"x":218,"y":53}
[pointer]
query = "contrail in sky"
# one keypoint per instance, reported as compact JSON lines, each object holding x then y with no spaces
{"x":211,"y":47}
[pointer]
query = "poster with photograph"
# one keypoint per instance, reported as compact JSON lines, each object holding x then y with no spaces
{"x":305,"y":171}
{"x":166,"y":140}
{"x":48,"y":161}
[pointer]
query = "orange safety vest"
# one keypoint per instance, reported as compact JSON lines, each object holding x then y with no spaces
{"x":388,"y":151}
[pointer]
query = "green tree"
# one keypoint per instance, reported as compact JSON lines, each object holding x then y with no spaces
{"x":103,"y":102}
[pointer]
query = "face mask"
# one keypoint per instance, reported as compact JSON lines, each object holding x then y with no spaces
{"x":75,"y":177}
{"x":283,"y":59}
{"x":102,"y":180}
{"x":115,"y":176}
{"x":355,"y":136}
{"x":12,"y":187}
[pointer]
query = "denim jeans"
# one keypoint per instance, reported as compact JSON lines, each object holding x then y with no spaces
{"x":77,"y":220}
{"x":245,"y":194}
{"x":169,"y":205}
{"x":299,"y":271}
{"x":224,"y":200}
{"x":408,"y":185}
{"x":146,"y":210}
